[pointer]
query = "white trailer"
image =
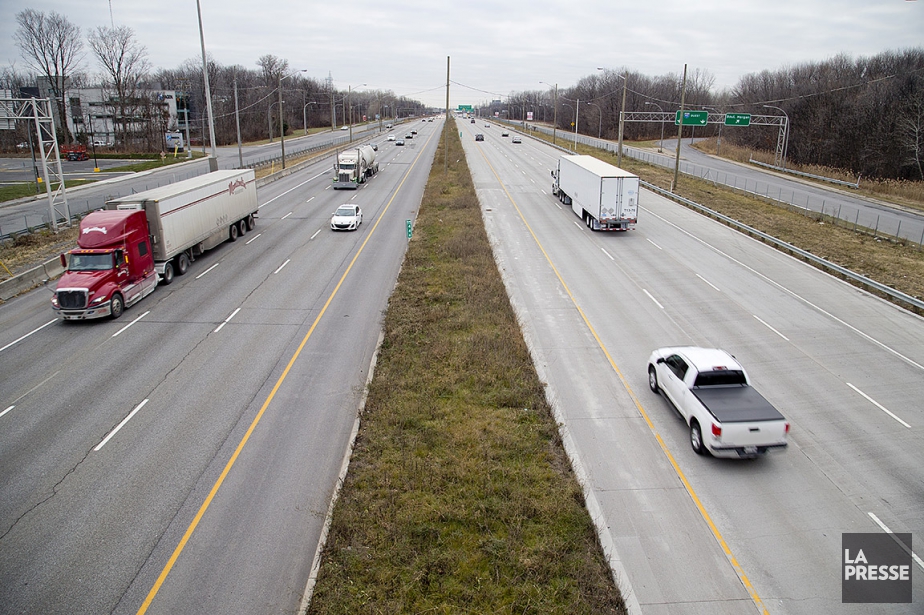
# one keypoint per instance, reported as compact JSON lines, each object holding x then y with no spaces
{"x":604,"y":196}
{"x":189,"y":217}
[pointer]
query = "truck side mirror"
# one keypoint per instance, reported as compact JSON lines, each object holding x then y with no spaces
{"x":64,"y":260}
{"x":119,"y":258}
{"x":660,"y":360}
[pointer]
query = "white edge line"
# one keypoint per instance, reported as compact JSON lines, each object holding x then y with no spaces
{"x":227,"y":320}
{"x":577,"y":225}
{"x":902,"y":545}
{"x":653,"y":299}
{"x":708,"y":282}
{"x":131,"y":323}
{"x":28,"y":334}
{"x":878,"y":405}
{"x":7,"y":410}
{"x":315,"y":234}
{"x":769,"y":327}
{"x":608,"y":255}
{"x":253,"y":239}
{"x":280,"y":267}
{"x":653,"y":243}
{"x":120,"y":425}
{"x":206,"y":271}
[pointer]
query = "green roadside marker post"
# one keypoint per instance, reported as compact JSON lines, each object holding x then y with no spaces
{"x":692,"y":118}
{"x":410,"y":228}
{"x":737,"y":119}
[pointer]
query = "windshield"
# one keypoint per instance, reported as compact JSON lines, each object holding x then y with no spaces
{"x":90,"y":262}
{"x":345,"y":211}
{"x":347,"y":166}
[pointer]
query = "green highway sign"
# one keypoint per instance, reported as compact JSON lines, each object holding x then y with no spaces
{"x":737,"y":119}
{"x":410,"y":228}
{"x":464,"y":108}
{"x":692,"y":118}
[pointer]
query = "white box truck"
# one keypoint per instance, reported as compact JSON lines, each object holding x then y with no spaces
{"x":605,"y":197}
{"x":189,"y":217}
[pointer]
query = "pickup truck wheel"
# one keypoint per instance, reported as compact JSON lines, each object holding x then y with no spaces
{"x":233,"y":232}
{"x":182,"y":264}
{"x":653,"y":380}
{"x":116,"y":305}
{"x":696,"y":438}
{"x":167,"y":278}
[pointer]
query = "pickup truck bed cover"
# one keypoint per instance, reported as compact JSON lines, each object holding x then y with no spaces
{"x":737,"y":404}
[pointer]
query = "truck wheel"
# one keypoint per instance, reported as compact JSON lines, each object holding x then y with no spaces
{"x":233,"y":232}
{"x":242,"y":227}
{"x":250,"y":222}
{"x":167,"y":278}
{"x":116,"y":305}
{"x":182,"y":263}
{"x":696,"y":438}
{"x":653,"y":380}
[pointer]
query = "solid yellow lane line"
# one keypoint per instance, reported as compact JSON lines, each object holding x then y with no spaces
{"x":638,"y":404}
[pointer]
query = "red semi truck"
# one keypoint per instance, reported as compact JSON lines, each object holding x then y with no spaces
{"x":123,"y":249}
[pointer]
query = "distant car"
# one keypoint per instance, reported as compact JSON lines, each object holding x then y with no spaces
{"x":430,"y":120}
{"x":100,"y":143}
{"x":344,"y":128}
{"x":487,"y":125}
{"x":517,"y":140}
{"x":413,"y":132}
{"x":346,"y":218}
{"x":22,"y":145}
{"x":391,"y":137}
{"x":375,"y":147}
{"x":75,"y":156}
{"x":399,"y":142}
{"x":473,"y":120}
{"x":409,"y":136}
{"x":505,"y":134}
{"x":479,"y":137}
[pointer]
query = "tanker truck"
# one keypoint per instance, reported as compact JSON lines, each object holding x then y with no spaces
{"x":353,"y":166}
{"x":122,"y":249}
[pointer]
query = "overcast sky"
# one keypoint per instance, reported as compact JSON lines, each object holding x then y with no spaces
{"x":498,"y":47}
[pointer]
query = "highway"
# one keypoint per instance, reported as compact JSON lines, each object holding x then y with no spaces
{"x":182,"y":459}
{"x":688,"y":534}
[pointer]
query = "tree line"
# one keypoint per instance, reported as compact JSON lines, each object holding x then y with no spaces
{"x":864,"y":115}
{"x":54,"y":50}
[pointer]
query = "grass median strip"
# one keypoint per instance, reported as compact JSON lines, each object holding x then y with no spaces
{"x":459,"y":497}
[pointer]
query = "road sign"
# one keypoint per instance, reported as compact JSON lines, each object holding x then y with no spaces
{"x":692,"y":118}
{"x":737,"y":119}
{"x":464,"y":108}
{"x":410,"y":228}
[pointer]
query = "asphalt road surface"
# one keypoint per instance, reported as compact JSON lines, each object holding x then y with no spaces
{"x":182,"y":459}
{"x":691,"y":534}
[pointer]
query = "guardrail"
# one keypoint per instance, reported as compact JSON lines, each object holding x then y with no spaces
{"x":830,"y":180}
{"x":899,"y":297}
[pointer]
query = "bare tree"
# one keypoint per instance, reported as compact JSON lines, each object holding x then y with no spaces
{"x":52,"y":46}
{"x":126,"y":64}
{"x":911,"y":129}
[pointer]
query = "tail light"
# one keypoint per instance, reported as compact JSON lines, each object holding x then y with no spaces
{"x":716,"y":431}
{"x":787,"y":428}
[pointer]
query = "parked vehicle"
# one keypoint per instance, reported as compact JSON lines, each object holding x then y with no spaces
{"x":353,"y":166}
{"x":605,"y":197}
{"x":122,"y":249}
{"x":74,"y":152}
{"x":712,"y":392}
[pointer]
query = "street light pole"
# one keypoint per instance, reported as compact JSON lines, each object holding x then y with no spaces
{"x":577,"y":118}
{"x":572,"y":109}
{"x":600,"y":123}
{"x":622,"y":111}
{"x":661,"y":142}
{"x":305,"y":115}
{"x":213,"y":161}
{"x":237,"y":121}
{"x":554,"y":111}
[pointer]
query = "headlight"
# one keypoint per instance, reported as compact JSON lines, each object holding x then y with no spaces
{"x":98,"y":300}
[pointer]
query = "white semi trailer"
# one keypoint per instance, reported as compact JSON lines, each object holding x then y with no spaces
{"x":189,"y":217}
{"x":604,"y":196}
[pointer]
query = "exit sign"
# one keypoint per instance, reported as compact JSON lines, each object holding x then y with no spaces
{"x":737,"y":119}
{"x":692,"y":118}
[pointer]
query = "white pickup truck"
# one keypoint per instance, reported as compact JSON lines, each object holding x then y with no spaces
{"x":711,"y":390}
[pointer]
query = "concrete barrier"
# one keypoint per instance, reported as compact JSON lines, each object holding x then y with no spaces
{"x":27,"y":280}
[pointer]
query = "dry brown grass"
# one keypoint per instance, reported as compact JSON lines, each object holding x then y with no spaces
{"x":30,"y":250}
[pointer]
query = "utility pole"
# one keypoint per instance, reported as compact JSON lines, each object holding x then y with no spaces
{"x":683,"y":94}
{"x":237,"y":120}
{"x":622,"y":115}
{"x":446,"y":148}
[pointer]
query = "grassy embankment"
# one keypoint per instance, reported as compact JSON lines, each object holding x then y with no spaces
{"x":459,"y":496}
{"x":894,"y":264}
